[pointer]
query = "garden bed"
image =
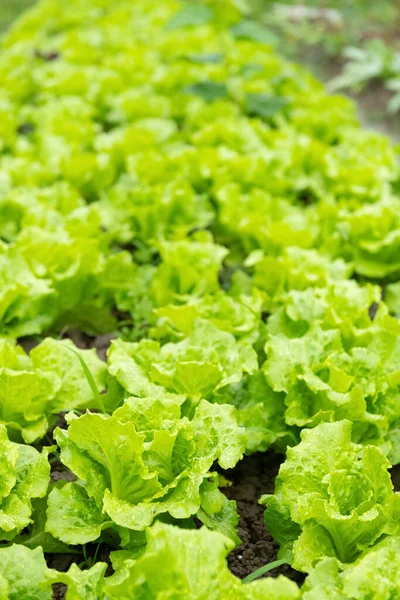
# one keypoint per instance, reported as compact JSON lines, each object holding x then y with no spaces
{"x":199,"y":303}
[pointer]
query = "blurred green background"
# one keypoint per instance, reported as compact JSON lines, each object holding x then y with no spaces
{"x":378,"y":12}
{"x":352,"y":45}
{"x":10,"y":9}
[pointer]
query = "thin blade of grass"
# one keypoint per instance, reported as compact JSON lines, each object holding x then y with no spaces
{"x":90,"y":380}
{"x":262,"y":570}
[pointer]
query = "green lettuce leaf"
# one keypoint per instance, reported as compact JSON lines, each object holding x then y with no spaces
{"x":25,"y":475}
{"x":35,"y":535}
{"x":185,"y":563}
{"x":373,"y":575}
{"x":24,"y":574}
{"x":27,"y":302}
{"x":72,"y":389}
{"x":81,"y":584}
{"x":206,"y":360}
{"x":193,"y":14}
{"x":239,"y":316}
{"x":189,"y":564}
{"x":36,"y":387}
{"x":145,"y":213}
{"x":293,"y":269}
{"x":260,"y":411}
{"x":198,"y":276}
{"x":25,"y":395}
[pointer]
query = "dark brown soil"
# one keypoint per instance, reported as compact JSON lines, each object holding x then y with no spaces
{"x":251,"y":478}
{"x":100,"y":342}
{"x":395,"y":474}
{"x":60,"y":473}
{"x":59,"y":591}
{"x":61,"y":562}
{"x":86,"y":342}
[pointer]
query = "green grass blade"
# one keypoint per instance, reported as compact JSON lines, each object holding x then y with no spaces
{"x":90,"y":380}
{"x":264,"y":569}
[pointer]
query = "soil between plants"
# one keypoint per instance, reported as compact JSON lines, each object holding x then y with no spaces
{"x":251,"y":478}
{"x":83,"y":341}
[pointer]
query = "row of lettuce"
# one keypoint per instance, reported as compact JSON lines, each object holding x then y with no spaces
{"x":230,"y":139}
{"x":334,"y":512}
{"x":166,"y":176}
{"x":192,"y":564}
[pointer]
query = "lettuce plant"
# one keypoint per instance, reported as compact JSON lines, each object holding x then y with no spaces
{"x":333,"y":498}
{"x":142,"y":462}
{"x":293,"y":269}
{"x":151,"y":209}
{"x":203,"y":362}
{"x":175,"y":563}
{"x":332,"y":361}
{"x":202,"y":262}
{"x":35,"y":388}
{"x":238,"y":315}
